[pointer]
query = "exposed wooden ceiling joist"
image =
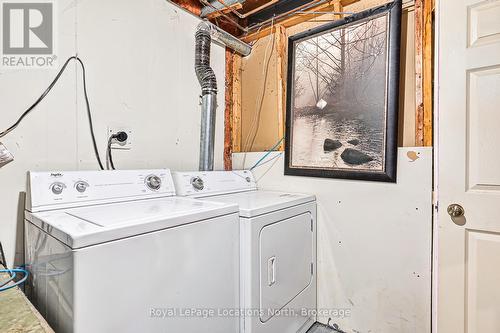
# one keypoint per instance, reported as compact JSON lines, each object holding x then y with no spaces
{"x":253,"y":6}
{"x":234,"y":6}
{"x":193,"y":6}
{"x":255,"y":12}
{"x":333,"y":5}
{"x":277,"y":9}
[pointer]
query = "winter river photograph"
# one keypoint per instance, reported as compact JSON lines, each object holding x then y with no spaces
{"x":338,"y":113}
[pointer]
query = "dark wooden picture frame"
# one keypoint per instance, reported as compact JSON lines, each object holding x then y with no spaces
{"x":370,"y":153}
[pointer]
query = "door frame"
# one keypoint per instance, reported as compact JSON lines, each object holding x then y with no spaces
{"x":435,"y":171}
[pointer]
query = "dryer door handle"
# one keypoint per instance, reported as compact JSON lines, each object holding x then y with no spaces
{"x":271,"y":271}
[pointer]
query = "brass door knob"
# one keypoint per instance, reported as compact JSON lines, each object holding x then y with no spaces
{"x":455,"y":210}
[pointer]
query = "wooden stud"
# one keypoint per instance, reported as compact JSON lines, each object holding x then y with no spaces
{"x":419,"y":100}
{"x":338,"y":7}
{"x":427,"y":83}
{"x":236,"y":111}
{"x":228,"y":114}
{"x":423,"y":72}
{"x":281,"y":59}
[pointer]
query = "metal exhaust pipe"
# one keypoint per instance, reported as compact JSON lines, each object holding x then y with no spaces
{"x":206,"y":31}
{"x":207,"y":136}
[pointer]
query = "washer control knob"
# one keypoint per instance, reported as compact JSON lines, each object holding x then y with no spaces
{"x":153,"y":182}
{"x":57,"y":188}
{"x":197,"y":183}
{"x":81,"y":186}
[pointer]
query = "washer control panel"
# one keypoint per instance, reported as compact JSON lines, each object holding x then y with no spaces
{"x":55,"y":190}
{"x":207,"y":183}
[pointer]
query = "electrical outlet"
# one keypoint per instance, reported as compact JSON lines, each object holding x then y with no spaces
{"x":5,"y":155}
{"x":121,"y":145}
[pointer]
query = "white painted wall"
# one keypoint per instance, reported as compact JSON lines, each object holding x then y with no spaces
{"x":139,"y":57}
{"x":374,"y":243}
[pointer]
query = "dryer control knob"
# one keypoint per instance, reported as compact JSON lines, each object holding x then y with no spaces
{"x":57,"y":188}
{"x":197,"y":183}
{"x":153,"y":182}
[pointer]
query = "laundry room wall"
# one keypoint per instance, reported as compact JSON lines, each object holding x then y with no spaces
{"x":374,"y":242}
{"x":139,"y":57}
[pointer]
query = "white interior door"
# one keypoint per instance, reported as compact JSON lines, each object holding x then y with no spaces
{"x":468,"y":166}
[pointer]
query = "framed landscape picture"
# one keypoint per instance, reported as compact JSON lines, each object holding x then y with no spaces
{"x":342,"y":97}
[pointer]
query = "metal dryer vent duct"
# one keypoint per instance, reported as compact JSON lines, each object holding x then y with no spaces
{"x":205,"y":33}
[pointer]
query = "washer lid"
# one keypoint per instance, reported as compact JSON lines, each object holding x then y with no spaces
{"x":80,"y":227}
{"x":254,"y":203}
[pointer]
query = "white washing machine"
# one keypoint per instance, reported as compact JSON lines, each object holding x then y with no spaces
{"x":116,"y":251}
{"x":278,"y":249}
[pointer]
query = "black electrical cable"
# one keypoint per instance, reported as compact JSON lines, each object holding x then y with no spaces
{"x":3,"y":261}
{"x":45,"y":93}
{"x":109,"y":154}
{"x":120,"y":137}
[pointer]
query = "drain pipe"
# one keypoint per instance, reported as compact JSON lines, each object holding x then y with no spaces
{"x":205,"y":33}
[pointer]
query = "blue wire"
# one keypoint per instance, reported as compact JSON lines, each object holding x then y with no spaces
{"x":267,"y":154}
{"x":11,"y":271}
{"x":12,"y":277}
{"x":268,"y":160}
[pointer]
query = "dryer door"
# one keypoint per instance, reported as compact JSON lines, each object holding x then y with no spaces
{"x":286,"y":257}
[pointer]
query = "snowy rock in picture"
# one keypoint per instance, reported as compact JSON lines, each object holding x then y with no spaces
{"x":355,"y":157}
{"x":353,"y":142}
{"x":331,"y":145}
